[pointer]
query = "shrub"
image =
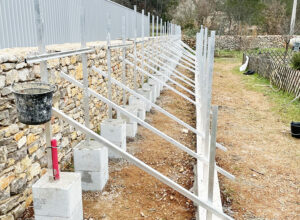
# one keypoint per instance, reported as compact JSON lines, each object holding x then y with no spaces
{"x":296,"y":61}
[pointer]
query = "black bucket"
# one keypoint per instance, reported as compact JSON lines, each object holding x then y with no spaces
{"x":295,"y":129}
{"x":34,"y":102}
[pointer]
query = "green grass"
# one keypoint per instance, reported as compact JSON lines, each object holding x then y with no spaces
{"x":229,"y":54}
{"x":281,"y":100}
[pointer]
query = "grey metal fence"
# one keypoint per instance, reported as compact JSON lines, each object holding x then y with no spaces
{"x":62,"y":21}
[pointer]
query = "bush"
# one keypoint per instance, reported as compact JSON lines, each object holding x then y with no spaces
{"x":296,"y":61}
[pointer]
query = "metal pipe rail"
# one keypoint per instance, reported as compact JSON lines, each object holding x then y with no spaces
{"x":166,"y":68}
{"x":169,"y":60}
{"x":138,"y":120}
{"x":172,"y":50}
{"x":49,"y":56}
{"x":116,"y":82}
{"x":180,"y":64}
{"x":161,"y":82}
{"x":173,"y":81}
{"x":208,"y":206}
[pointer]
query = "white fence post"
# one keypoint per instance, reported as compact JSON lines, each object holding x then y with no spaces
{"x":143,"y":45}
{"x":134,"y":50}
{"x":44,"y":77}
{"x":212,"y":156}
{"x":109,"y":65}
{"x":84,"y":69}
{"x":124,"y":56}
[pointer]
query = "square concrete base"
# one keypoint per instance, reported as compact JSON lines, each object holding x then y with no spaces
{"x":93,"y":181}
{"x":129,"y":108}
{"x":131,"y":129}
{"x":114,"y":130}
{"x":157,"y":90}
{"x":140,"y":105}
{"x":91,"y":161}
{"x":147,"y":93}
{"x":152,"y":87}
{"x":60,"y":199}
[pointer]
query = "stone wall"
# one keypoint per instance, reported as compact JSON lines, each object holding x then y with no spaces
{"x":228,"y":42}
{"x":22,"y":147}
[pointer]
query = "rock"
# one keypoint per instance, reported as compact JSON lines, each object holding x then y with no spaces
{"x":8,"y":204}
{"x":7,"y":217}
{"x":2,"y":81}
{"x":17,"y":155}
{"x":6,"y":180}
{"x":3,"y":154}
{"x":22,"y":142}
{"x":4,"y":194}
{"x":11,"y":130}
{"x":19,"y":135}
{"x":12,"y":76}
{"x":7,"y":66}
{"x":6,"y":91}
{"x":21,"y":65}
{"x":31,"y":138}
{"x":33,"y":149}
{"x":4,"y":114}
{"x":18,"y":185}
{"x":23,"y":74}
{"x":19,"y":210}
{"x":34,"y":170}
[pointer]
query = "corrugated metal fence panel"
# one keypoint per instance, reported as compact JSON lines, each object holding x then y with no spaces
{"x":62,"y":21}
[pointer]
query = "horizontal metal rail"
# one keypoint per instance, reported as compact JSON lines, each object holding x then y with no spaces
{"x":156,"y":62}
{"x":150,"y":51}
{"x":138,"y":120}
{"x":49,"y":56}
{"x":161,"y":82}
{"x":180,"y":64}
{"x":171,"y":80}
{"x":116,"y":46}
{"x":172,"y":50}
{"x":163,"y":56}
{"x":116,"y":82}
{"x":142,"y":165}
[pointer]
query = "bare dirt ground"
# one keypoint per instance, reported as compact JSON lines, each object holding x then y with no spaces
{"x":133,"y":194}
{"x":261,"y":153}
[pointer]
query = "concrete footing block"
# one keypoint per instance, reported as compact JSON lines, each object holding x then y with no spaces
{"x":114,"y":130}
{"x":91,"y":161}
{"x":153,"y":88}
{"x":131,"y":124}
{"x":157,"y":88}
{"x":140,"y":105}
{"x":147,"y":93}
{"x":58,"y":200}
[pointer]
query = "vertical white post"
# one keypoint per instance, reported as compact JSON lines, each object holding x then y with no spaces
{"x":293,"y":19}
{"x":123,"y":56}
{"x":84,"y":69}
{"x":135,"y":56}
{"x":160,"y":28}
{"x":109,"y":65}
{"x":152,"y":25}
{"x":149,"y":26}
{"x":157,"y":19}
{"x":45,"y":78}
{"x":143,"y":45}
{"x":212,"y":156}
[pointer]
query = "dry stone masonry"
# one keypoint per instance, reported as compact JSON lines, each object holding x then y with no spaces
{"x":22,"y":147}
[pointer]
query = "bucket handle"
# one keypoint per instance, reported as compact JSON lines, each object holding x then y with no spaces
{"x":55,"y":89}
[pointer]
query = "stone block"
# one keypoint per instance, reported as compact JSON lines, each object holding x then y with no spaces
{"x":60,"y":199}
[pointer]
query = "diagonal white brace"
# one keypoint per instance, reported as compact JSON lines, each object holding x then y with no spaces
{"x":142,"y":165}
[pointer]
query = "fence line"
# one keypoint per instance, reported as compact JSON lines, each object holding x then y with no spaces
{"x":282,"y":76}
{"x":61,"y":20}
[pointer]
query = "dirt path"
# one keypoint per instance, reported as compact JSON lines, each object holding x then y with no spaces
{"x":262,"y":155}
{"x":133,"y":194}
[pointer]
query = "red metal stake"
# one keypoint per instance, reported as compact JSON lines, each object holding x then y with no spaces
{"x":54,"y":159}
